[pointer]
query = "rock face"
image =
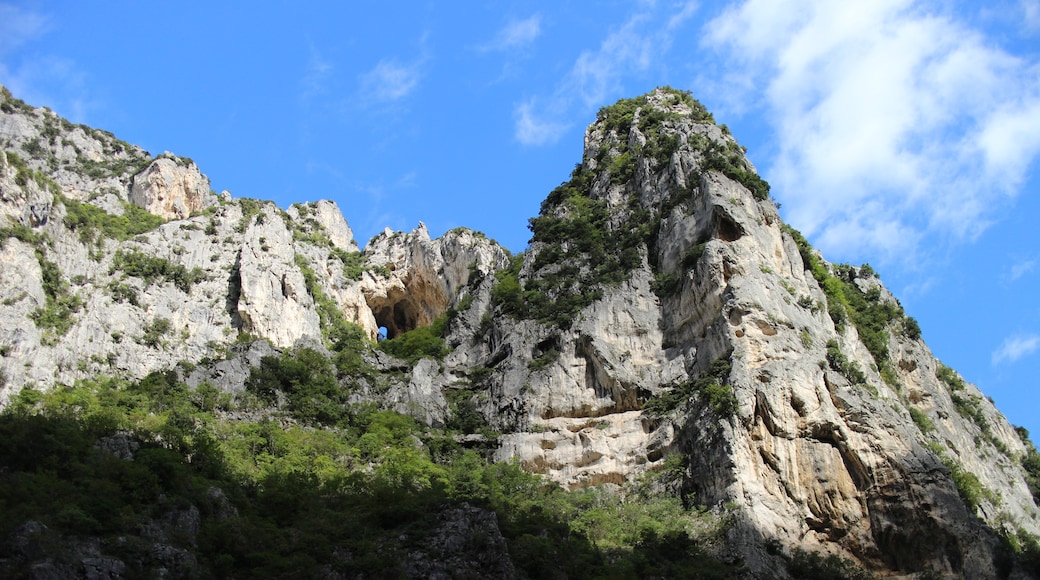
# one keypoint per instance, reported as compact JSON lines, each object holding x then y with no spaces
{"x":662,"y":310}
{"x":171,"y":187}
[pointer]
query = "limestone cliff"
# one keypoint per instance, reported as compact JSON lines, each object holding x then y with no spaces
{"x":662,"y":310}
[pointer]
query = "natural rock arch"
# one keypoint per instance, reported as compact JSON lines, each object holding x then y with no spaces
{"x":407,"y":307}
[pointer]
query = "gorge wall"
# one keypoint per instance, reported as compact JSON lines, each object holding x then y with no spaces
{"x":662,"y":310}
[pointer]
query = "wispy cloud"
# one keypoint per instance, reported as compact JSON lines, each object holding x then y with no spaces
{"x":1021,"y":268}
{"x":18,"y":26}
{"x":316,"y":75}
{"x":892,"y":123}
{"x":39,"y":78}
{"x":598,"y":73}
{"x":533,"y":130}
{"x":516,"y":34}
{"x":1030,"y":14}
{"x":390,"y":80}
{"x":1016,"y":347}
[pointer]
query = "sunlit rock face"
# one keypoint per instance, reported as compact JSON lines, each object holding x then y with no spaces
{"x":171,"y":187}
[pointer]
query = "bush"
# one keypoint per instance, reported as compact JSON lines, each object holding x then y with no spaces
{"x":422,"y":342}
{"x":151,"y":268}
{"x":921,"y":420}
{"x":308,"y":382}
{"x":89,"y":220}
{"x":841,"y":364}
{"x":155,"y":331}
{"x":711,"y":388}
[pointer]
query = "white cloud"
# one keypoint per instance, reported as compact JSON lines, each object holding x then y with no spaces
{"x":1016,"y":347}
{"x":516,"y":34}
{"x":597,"y":74}
{"x":18,"y":26}
{"x":390,"y":80}
{"x":892,"y":123}
{"x":531,"y":130}
{"x":1031,"y":14}
{"x":1022,"y":268}
{"x":36,"y":77}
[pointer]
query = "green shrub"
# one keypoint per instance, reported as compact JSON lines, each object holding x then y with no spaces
{"x":419,"y":343}
{"x":1031,"y":463}
{"x":155,"y":331}
{"x":950,"y":378}
{"x":841,"y":364}
{"x":921,"y":420}
{"x":89,"y":220}
{"x":335,"y":328}
{"x":711,"y":388}
{"x":307,"y":380}
{"x":543,"y":361}
{"x":55,"y":317}
{"x":665,"y":284}
{"x":151,"y":268}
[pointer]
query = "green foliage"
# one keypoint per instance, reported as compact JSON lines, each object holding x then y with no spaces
{"x":711,"y":388}
{"x":1031,"y":464}
{"x":419,"y":343}
{"x":335,"y":328}
{"x":911,"y":328}
{"x":9,"y":104}
{"x":870,"y":314}
{"x":123,"y":292}
{"x":151,"y":268}
{"x":288,"y":501}
{"x":307,"y":380}
{"x":693,"y":255}
{"x":89,"y":220}
{"x":970,"y":489}
{"x":353,"y":263}
{"x":111,"y":166}
{"x":730,"y":163}
{"x":579,"y":251}
{"x":841,"y":364}
{"x":665,"y":284}
{"x":543,"y":361}
{"x":55,"y":317}
{"x":250,"y":209}
{"x":20,"y":232}
{"x":155,"y":331}
{"x":950,"y":378}
{"x":921,"y":420}
{"x":24,"y":174}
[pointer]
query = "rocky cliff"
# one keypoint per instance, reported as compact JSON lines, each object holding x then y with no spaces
{"x":663,"y":315}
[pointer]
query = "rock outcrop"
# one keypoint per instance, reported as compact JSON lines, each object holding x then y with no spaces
{"x":171,"y":187}
{"x":662,"y":310}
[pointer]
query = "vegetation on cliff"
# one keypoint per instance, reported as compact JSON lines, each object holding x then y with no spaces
{"x":310,"y":484}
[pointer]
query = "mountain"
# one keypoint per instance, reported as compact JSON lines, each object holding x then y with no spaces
{"x":697,"y":391}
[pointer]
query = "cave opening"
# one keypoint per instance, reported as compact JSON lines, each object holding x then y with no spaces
{"x":396,"y":318}
{"x":726,"y":229}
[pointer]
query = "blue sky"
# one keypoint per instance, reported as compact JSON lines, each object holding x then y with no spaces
{"x":896,"y":132}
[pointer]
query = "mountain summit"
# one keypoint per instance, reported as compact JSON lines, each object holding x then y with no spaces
{"x":701,"y":392}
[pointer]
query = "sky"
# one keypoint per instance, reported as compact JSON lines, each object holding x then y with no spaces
{"x":900,"y":133}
